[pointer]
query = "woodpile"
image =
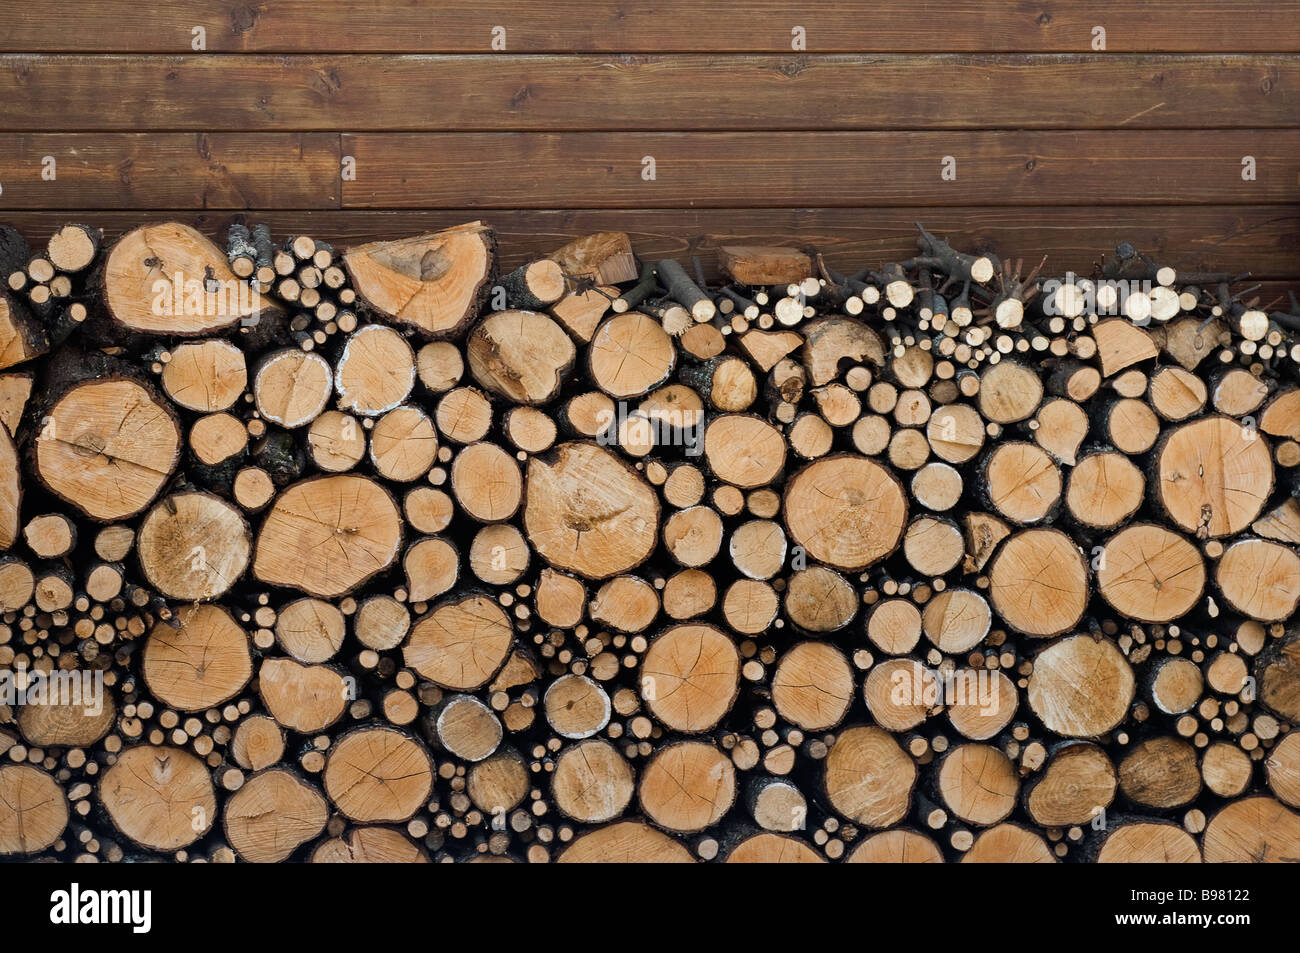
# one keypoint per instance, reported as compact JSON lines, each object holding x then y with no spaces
{"x":386,"y":553}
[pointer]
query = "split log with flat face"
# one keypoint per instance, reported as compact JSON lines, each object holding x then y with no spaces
{"x":326,"y":536}
{"x":1121,"y":344}
{"x":587,"y":512}
{"x":764,"y":264}
{"x":432,"y":283}
{"x":107,"y":447}
{"x":21,"y":336}
{"x":10,"y":491}
{"x":15,"y":393}
{"x":603,"y":257}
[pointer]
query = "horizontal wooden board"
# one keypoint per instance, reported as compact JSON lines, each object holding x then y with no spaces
{"x":1259,"y":239}
{"x":894,"y":26}
{"x":169,"y":170}
{"x":676,"y":92}
{"x":525,"y":170}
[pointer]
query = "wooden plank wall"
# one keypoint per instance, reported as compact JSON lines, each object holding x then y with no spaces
{"x":1059,"y":148}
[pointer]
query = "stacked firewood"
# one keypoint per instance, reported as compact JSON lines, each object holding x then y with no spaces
{"x":383,"y":555}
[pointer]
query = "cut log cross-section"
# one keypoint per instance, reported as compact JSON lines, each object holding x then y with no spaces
{"x":846,"y":511}
{"x":1214,"y":476}
{"x":161,"y":798}
{"x":690,"y":677}
{"x":432,"y":283}
{"x":200,"y":664}
{"x":325,"y":536}
{"x":107,"y":447}
{"x":1038,"y":582}
{"x":588,"y":512}
{"x":170,"y":279}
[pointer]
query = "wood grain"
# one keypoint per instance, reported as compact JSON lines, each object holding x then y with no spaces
{"x":676,"y":92}
{"x":1259,"y":239}
{"x":170,"y":170}
{"x":836,"y":169}
{"x":895,"y":26}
